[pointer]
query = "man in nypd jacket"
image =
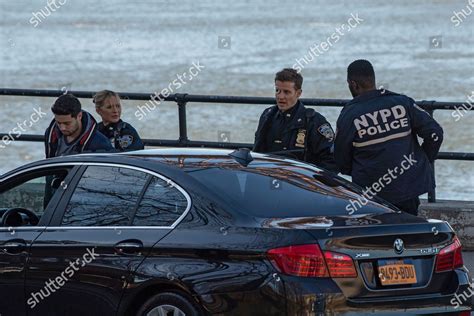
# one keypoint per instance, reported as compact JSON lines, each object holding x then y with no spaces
{"x":376,"y":142}
{"x":288,"y":128}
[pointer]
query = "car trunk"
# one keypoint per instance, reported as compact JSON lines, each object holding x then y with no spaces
{"x":383,"y":270}
{"x":394,"y":256}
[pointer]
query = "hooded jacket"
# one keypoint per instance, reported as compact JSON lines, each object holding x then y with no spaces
{"x":90,"y":138}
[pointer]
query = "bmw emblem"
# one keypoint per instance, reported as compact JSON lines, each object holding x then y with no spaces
{"x":398,"y":246}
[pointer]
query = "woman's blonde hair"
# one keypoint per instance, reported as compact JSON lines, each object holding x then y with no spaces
{"x":101,"y":96}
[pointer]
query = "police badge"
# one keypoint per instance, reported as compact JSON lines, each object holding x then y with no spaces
{"x":125,"y":141}
{"x":300,"y":137}
{"x":326,"y":131}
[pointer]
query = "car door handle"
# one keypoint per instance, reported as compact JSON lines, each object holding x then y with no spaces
{"x":14,"y":246}
{"x":129,"y":247}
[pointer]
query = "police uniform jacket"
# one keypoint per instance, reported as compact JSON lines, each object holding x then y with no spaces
{"x":304,"y":132}
{"x":376,"y":143}
{"x":122,"y":136}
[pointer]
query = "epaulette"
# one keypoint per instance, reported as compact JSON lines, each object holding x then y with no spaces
{"x":309,"y":112}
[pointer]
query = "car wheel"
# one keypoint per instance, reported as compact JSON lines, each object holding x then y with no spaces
{"x":168,"y":304}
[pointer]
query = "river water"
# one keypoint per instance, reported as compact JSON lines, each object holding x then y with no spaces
{"x":417,"y":48}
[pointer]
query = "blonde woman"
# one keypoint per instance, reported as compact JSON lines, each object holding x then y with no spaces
{"x":122,"y":135}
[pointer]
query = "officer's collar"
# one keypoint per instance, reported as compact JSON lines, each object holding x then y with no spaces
{"x":290,"y":113}
{"x":111,"y":125}
{"x":297,"y":119}
{"x":370,"y":95}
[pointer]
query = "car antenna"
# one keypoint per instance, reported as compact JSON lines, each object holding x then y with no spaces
{"x":242,"y":156}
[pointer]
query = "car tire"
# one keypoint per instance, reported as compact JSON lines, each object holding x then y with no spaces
{"x":168,"y":303}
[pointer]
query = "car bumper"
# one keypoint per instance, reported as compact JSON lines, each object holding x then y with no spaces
{"x":306,"y":297}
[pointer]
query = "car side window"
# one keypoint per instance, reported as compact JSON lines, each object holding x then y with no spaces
{"x":105,"y":196}
{"x":33,"y":193}
{"x":162,"y":205}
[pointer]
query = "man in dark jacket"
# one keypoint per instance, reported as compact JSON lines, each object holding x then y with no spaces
{"x":376,"y":141}
{"x":72,"y":131}
{"x":288,"y":128}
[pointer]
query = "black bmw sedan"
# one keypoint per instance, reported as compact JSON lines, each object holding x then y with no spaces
{"x":215,"y":232}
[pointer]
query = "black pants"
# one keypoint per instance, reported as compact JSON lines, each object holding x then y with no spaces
{"x":409,"y":206}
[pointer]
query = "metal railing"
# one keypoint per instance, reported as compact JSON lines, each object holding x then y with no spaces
{"x":182,"y":100}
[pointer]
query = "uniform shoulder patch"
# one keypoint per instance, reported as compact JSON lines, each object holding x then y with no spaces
{"x":125,"y":141}
{"x":326,"y":131}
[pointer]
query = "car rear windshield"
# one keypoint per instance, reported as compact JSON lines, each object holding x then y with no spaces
{"x":283,"y":192}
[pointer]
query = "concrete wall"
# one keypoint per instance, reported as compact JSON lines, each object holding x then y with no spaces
{"x":459,"y":214}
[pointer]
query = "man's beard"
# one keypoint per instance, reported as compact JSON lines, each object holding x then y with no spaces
{"x":69,"y":133}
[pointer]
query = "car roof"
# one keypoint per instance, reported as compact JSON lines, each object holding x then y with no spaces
{"x":178,"y":151}
{"x":174,"y":163}
{"x":175,"y":158}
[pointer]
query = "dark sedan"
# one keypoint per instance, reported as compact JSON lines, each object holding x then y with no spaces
{"x":203,"y":231}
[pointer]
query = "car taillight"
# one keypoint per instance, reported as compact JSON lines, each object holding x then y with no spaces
{"x":339,"y":265}
{"x":309,"y":261}
{"x":450,"y":257}
{"x":301,"y":260}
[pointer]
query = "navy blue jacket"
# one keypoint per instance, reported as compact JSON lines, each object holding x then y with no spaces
{"x":376,"y":143}
{"x":122,"y":136}
{"x":90,"y":140}
{"x":309,"y":136}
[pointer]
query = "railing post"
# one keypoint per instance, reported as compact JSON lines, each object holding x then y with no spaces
{"x":432,"y":193}
{"x":180,"y":98}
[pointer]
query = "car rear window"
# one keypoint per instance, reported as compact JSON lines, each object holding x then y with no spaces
{"x":278,"y":192}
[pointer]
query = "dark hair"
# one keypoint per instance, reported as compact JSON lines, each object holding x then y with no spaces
{"x":362,"y":72}
{"x":66,"y":104}
{"x":290,"y":74}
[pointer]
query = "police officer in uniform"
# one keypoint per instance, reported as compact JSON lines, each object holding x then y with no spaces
{"x":122,"y":135}
{"x":288,"y":128}
{"x":376,"y":141}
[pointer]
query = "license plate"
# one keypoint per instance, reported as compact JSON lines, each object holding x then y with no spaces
{"x":396,"y":272}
